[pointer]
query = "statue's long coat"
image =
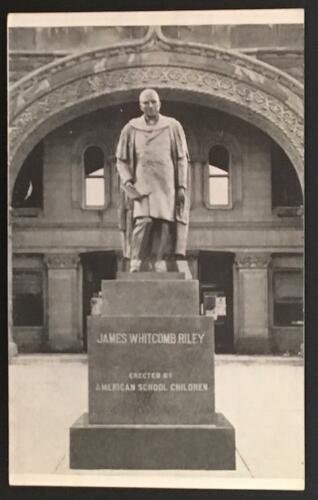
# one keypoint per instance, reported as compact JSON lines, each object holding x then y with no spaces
{"x":126,"y":165}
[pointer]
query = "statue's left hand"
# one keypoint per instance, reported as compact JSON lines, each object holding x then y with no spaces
{"x":180,"y":200}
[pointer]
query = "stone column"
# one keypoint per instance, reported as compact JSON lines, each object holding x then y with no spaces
{"x":251,"y":305}
{"x":122,"y":265}
{"x":12,"y":346}
{"x":63,"y":293}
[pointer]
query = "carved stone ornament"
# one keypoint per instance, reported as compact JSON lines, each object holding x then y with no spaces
{"x":252,"y":260}
{"x":62,"y":261}
{"x":268,"y":97}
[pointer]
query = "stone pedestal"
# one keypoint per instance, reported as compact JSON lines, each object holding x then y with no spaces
{"x":151,"y":381}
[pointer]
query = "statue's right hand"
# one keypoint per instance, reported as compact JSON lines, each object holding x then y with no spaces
{"x":132,"y":192}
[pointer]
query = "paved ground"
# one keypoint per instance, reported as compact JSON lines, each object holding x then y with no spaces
{"x":261,"y":396}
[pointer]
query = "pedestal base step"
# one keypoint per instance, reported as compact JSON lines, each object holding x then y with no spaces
{"x":147,"y":297}
{"x":150,"y":276}
{"x":195,"y":447}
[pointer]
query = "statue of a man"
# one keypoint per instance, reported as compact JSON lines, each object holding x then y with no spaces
{"x":152,"y":162}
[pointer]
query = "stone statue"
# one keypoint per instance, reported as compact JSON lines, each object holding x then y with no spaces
{"x":153,"y":166}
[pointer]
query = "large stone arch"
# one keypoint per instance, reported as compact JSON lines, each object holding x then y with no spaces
{"x":222,"y":79}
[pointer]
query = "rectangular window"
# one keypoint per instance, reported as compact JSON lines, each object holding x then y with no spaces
{"x":95,"y":189}
{"x":218,"y":186}
{"x":94,"y":177}
{"x":288,"y":298}
{"x":27,"y":298}
{"x":218,"y":178}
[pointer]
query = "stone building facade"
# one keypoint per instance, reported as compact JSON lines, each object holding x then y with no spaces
{"x":238,"y":91}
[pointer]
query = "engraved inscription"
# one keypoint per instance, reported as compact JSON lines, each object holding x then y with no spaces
{"x":150,"y":338}
{"x":154,"y":386}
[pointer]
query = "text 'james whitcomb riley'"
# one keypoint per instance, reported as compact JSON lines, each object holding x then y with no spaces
{"x":150,"y":338}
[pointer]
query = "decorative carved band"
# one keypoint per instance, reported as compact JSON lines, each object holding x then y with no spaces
{"x":62,"y":261}
{"x":252,"y":260}
{"x":207,"y":82}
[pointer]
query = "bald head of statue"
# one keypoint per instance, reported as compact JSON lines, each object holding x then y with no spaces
{"x":149,"y":102}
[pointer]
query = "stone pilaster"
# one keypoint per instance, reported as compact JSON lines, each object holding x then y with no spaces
{"x":251,"y":302}
{"x":192,"y":258}
{"x":122,"y":263}
{"x":197,"y":184}
{"x":63,"y":319}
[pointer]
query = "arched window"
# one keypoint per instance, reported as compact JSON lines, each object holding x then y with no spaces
{"x":28,"y":188}
{"x":94,"y":168}
{"x":219,"y":177}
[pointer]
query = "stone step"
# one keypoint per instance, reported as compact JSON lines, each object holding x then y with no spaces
{"x":150,"y":297}
{"x":207,"y":447}
{"x":150,"y":276}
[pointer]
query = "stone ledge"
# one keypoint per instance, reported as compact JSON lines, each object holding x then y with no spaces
{"x":220,"y":359}
{"x":150,"y":276}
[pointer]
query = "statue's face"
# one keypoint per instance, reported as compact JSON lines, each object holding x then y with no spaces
{"x":150,"y":104}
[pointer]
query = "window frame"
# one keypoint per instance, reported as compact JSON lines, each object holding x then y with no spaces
{"x":207,"y":176}
{"x":107,"y":177}
{"x":285,"y":270}
{"x":32,"y":263}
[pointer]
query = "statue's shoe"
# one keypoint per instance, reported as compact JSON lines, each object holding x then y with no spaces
{"x":135,"y":266}
{"x":160,"y":266}
{"x":183,"y":267}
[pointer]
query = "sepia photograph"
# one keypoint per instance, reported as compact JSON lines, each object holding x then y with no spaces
{"x":156,"y":249}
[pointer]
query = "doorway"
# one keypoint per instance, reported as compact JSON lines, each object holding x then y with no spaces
{"x":216,"y":296}
{"x":97,"y":266}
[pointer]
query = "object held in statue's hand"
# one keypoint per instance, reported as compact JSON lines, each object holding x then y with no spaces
{"x":132,"y":192}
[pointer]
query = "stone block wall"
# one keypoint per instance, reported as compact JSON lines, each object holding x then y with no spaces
{"x":248,"y":221}
{"x":279,"y":45}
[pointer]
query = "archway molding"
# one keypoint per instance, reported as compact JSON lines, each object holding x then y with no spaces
{"x":220,"y":79}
